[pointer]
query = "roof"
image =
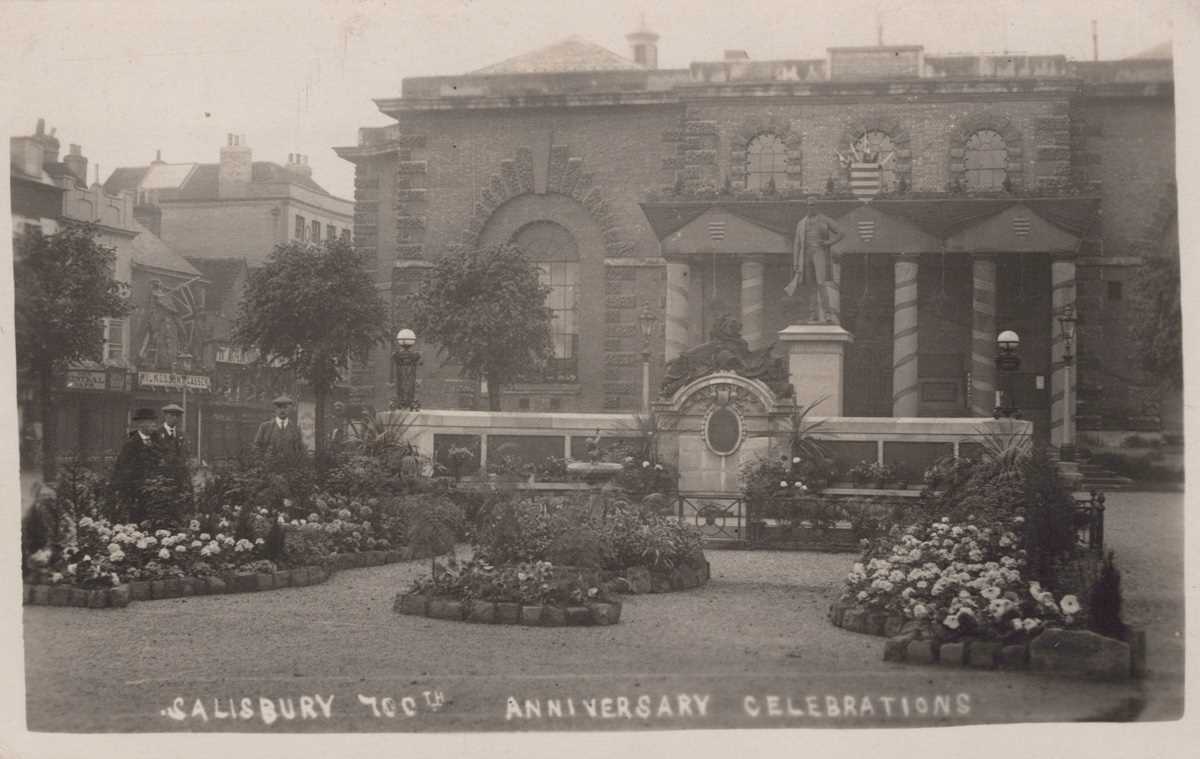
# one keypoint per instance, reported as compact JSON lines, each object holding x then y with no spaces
{"x":571,"y":54}
{"x":223,"y":275}
{"x":198,"y":181}
{"x":1161,"y":51}
{"x":152,"y":252}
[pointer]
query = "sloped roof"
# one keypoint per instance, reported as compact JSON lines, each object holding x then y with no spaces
{"x":1161,"y":51}
{"x":198,"y":181}
{"x":150,"y":251}
{"x":223,"y":275}
{"x":571,"y":54}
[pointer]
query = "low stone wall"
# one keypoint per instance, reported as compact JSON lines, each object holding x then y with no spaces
{"x":180,"y":587}
{"x":503,"y":613}
{"x":1074,"y":652}
{"x":640,"y":580}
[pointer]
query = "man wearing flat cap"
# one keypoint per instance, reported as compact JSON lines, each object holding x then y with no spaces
{"x":174,"y":447}
{"x":280,"y":437}
{"x":140,"y":459}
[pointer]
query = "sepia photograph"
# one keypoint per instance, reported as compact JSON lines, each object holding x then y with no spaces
{"x":455,"y":367}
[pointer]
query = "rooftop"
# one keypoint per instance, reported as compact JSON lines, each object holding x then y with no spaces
{"x":198,"y":181}
{"x":572,"y":54}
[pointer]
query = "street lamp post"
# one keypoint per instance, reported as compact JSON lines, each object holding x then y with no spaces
{"x":1007,"y":363}
{"x":646,"y":322}
{"x":1066,"y":321}
{"x":406,"y":361}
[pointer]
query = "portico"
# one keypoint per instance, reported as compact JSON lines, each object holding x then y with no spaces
{"x":924,"y":287}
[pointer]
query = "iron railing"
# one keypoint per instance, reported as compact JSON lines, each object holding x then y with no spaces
{"x":1089,"y":520}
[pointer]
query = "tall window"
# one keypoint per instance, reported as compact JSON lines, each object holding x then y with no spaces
{"x":330,"y":232}
{"x":301,"y":227}
{"x":114,"y":339}
{"x":986,"y":159}
{"x":346,"y":234}
{"x":876,"y":147}
{"x":554,"y":250}
{"x":316,"y":231}
{"x":766,"y":163}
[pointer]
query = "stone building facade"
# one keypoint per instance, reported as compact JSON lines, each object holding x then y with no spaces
{"x":999,"y":189}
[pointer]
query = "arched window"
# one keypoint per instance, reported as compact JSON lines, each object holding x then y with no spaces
{"x":766,"y":163}
{"x":556,"y":254}
{"x":875,"y":146}
{"x":985,"y":159}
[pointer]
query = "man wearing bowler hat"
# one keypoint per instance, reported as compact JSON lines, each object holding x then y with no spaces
{"x":140,"y":459}
{"x":280,"y":436}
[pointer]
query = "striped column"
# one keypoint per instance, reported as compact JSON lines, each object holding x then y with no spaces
{"x":678,"y":282}
{"x":904,"y":338}
{"x":1062,"y":396}
{"x":983,"y":336}
{"x":752,"y":304}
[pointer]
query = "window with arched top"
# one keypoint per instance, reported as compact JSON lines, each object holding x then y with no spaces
{"x":553,"y":248}
{"x":875,"y":146}
{"x":766,"y":163}
{"x":985,"y":159}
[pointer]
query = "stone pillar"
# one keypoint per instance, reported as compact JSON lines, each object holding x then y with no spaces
{"x":752,"y":304}
{"x":1062,"y":377}
{"x":983,"y":336}
{"x":905,"y":398}
{"x":816,"y":363}
{"x":678,"y":283}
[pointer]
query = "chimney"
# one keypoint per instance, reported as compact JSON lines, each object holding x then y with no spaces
{"x":157,"y":156}
{"x":48,"y":142}
{"x":25,"y":155}
{"x":77,"y":164}
{"x":737,"y":55}
{"x":298,"y":164}
{"x":233,"y":179}
{"x":644,"y":45}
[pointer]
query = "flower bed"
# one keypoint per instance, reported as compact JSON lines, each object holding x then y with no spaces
{"x":181,"y":586}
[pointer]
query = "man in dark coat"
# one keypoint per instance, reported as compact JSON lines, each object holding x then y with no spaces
{"x":174,"y":448}
{"x":280,"y":437}
{"x":140,"y":459}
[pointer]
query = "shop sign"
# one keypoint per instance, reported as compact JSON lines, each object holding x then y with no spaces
{"x":174,"y":381}
{"x":83,"y":379}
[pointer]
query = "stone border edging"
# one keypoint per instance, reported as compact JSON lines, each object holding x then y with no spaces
{"x":180,"y":587}
{"x":640,"y":580}
{"x":508,"y":613}
{"x":1055,"y":650}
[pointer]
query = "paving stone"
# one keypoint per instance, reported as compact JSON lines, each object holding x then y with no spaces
{"x":659,"y":583}
{"x":412,"y":603}
{"x":508,"y":613}
{"x":482,"y":612}
{"x":264,"y":581}
{"x":170,"y":589}
{"x":553,"y":616}
{"x":1013,"y":657}
{"x":98,"y":599}
{"x":26,"y":594}
{"x":952,"y":654}
{"x":921,"y":652}
{"x":981,"y":654}
{"x":854,"y":619}
{"x":688,"y":577}
{"x":217,"y":585}
{"x":875,"y":623}
{"x":531,"y":615}
{"x":603,"y":613}
{"x":579,"y":615}
{"x":239,"y":583}
{"x":40,"y":595}
{"x":283,"y":578}
{"x":896,"y":647}
{"x":893,"y":625}
{"x":187,"y":586}
{"x":120,"y":596}
{"x":441,"y":608}
{"x":79,"y":597}
{"x":60,"y":595}
{"x":836,"y":609}
{"x":640,"y":580}
{"x":1080,"y":652}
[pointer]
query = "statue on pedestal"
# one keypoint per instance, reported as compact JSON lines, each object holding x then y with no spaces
{"x":814,"y":272}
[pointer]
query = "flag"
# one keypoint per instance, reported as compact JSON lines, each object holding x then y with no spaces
{"x":865,"y":179}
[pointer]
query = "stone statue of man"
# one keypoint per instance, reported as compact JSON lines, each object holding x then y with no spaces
{"x":816,"y":234}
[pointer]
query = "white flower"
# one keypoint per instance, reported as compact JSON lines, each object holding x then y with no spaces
{"x":991,"y":593}
{"x":920,"y":611}
{"x":862,"y":595}
{"x":162,"y":533}
{"x":951,"y":621}
{"x":86,"y":522}
{"x":795,"y":459}
{"x":196,"y":544}
{"x":858,"y":568}
{"x":194,"y":525}
{"x":42,"y":556}
{"x":258,"y":541}
{"x":658,"y":467}
{"x":117,"y":556}
{"x":56,"y":577}
{"x":1070,"y":605}
{"x":1031,"y":624}
{"x":164,"y":554}
{"x":783,"y":483}
{"x":142,"y":543}
{"x":205,"y":536}
{"x":180,"y":548}
{"x":1018,"y":624}
{"x":71,"y":568}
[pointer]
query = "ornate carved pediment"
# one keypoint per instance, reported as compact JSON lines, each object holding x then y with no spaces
{"x":726,"y":351}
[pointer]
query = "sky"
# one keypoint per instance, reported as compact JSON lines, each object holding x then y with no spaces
{"x":124,"y":79}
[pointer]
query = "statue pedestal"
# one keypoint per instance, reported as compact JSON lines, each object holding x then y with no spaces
{"x":816,"y":359}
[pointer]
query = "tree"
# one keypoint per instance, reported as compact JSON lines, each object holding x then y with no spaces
{"x":311,"y":309}
{"x":64,"y":289}
{"x":1158,"y":326}
{"x":486,"y":311}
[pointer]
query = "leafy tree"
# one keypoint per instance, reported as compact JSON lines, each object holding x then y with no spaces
{"x":1158,"y":328}
{"x":64,"y":289}
{"x":311,"y":309}
{"x":486,"y":311}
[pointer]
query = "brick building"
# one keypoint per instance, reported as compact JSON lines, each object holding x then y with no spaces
{"x":1001,"y":189}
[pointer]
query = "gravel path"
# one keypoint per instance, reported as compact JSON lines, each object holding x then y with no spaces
{"x":758,"y":627}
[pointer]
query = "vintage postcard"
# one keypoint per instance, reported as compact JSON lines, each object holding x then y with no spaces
{"x":503,"y":367}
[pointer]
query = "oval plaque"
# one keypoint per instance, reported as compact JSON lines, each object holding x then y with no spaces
{"x":723,"y":431}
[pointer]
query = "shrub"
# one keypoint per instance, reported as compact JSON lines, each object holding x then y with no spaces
{"x":1105,"y":601}
{"x":641,"y":478}
{"x":435,"y":526}
{"x":527,"y":583}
